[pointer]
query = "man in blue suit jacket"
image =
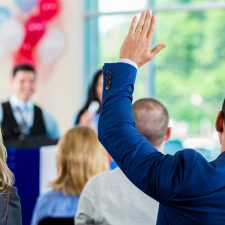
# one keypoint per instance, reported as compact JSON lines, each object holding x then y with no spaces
{"x":190,"y":190}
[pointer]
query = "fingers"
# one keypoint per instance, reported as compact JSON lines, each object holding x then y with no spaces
{"x":151,"y":28}
{"x":147,"y":23}
{"x":133,"y":25}
{"x":140,"y":23}
{"x":157,"y":49}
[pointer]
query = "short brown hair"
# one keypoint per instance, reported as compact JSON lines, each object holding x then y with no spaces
{"x":80,"y":156}
{"x":23,"y":67}
{"x":151,"y":118}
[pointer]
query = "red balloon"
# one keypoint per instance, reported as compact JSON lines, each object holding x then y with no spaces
{"x":24,"y":55}
{"x":26,"y":50}
{"x":35,"y":28}
{"x":49,"y":8}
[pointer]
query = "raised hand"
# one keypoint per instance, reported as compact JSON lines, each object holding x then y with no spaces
{"x":137,"y":44}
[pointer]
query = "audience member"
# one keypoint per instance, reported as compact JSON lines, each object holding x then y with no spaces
{"x":79,"y":156}
{"x":190,"y":190}
{"x":109,"y":197}
{"x":89,"y":114}
{"x":20,"y":118}
{"x":10,"y":209}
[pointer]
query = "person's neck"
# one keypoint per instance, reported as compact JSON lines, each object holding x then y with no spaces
{"x":159,"y":147}
{"x":223,"y":148}
{"x":18,"y":99}
{"x":222,"y":140}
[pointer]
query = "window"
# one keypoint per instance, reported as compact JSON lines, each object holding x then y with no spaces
{"x":188,"y":76}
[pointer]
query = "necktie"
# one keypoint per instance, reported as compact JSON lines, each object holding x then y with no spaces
{"x":23,"y":123}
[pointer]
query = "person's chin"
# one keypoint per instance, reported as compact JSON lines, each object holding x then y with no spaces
{"x":25,"y":98}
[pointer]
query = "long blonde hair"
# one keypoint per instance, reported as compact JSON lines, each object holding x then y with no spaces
{"x":79,"y":156}
{"x":6,"y":176}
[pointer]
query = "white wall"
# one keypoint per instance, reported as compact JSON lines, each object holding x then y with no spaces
{"x":59,"y":87}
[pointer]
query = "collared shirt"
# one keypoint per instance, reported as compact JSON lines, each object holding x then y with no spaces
{"x":54,"y":204}
{"x":28,"y":112}
{"x":22,"y":110}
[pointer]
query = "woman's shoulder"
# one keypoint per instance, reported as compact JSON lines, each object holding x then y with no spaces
{"x":55,"y":202}
{"x":14,"y":195}
{"x":46,"y":200}
{"x":13,"y":191}
{"x":10,"y":206}
{"x":9,"y":193}
{"x":49,"y":195}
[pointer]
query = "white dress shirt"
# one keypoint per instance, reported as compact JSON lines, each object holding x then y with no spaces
{"x":28,"y":112}
{"x":128,"y":61}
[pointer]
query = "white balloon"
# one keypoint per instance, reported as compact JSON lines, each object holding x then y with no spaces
{"x":51,"y":46}
{"x":12,"y":34}
{"x":2,"y":50}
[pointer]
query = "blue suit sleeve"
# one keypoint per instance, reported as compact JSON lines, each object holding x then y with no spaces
{"x":160,"y":176}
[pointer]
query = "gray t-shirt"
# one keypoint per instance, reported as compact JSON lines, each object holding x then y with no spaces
{"x":110,"y":198}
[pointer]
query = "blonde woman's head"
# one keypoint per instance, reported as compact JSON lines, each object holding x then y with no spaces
{"x":6,"y":177}
{"x":79,"y":156}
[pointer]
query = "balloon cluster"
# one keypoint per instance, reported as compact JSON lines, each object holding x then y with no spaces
{"x":32,"y":36}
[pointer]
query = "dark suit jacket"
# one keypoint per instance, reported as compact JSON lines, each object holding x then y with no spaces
{"x":10,"y":209}
{"x":190,"y":190}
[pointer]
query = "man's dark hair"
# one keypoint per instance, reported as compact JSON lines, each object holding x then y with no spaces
{"x":152,"y":119}
{"x":223,"y":109}
{"x":23,"y":67}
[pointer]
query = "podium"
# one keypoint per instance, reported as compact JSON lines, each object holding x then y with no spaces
{"x":33,"y":168}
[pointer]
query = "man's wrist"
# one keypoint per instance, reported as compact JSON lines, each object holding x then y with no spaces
{"x":128,"y":61}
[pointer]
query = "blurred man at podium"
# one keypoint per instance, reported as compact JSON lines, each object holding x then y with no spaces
{"x":23,"y":123}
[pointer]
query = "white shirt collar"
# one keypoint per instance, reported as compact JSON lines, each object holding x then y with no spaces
{"x":16,"y":102}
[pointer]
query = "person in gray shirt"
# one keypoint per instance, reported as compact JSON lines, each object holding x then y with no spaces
{"x":110,"y":198}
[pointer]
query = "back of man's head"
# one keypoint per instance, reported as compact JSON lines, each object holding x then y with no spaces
{"x":151,"y":119}
{"x":23,"y":67}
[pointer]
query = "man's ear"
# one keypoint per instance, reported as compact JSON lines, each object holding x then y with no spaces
{"x":168,"y":133}
{"x":219,"y":122}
